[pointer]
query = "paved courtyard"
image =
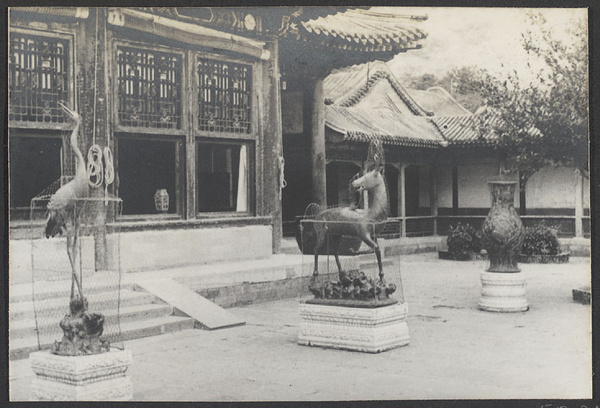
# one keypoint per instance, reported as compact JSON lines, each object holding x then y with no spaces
{"x":455,"y":350}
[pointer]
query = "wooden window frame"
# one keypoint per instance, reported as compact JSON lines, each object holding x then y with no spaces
{"x":251,"y":149}
{"x":71,"y":39}
{"x":180,"y":175}
{"x":184,"y":129}
{"x":193,"y":70}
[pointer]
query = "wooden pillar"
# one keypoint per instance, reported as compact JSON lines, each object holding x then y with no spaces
{"x":94,"y":109}
{"x":522,"y":195}
{"x":189,"y":150}
{"x":318,"y":157}
{"x":433,"y":198}
{"x":455,"y":190}
{"x":402,"y":201}
{"x":272,"y":149}
{"x":579,"y":204}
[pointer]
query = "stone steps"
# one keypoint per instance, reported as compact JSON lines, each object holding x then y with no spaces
{"x":20,"y":349}
{"x":27,"y":327}
{"x":52,"y":289}
{"x":97,"y":302}
{"x":139,"y":314}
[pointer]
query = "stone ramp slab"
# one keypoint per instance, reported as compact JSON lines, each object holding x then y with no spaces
{"x":206,"y":313}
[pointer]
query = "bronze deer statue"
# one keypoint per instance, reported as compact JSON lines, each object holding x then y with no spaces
{"x":354,"y":222}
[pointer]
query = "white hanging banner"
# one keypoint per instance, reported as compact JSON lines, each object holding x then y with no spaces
{"x":242,"y":193}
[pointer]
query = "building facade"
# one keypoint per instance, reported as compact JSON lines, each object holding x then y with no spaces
{"x":188,"y":101}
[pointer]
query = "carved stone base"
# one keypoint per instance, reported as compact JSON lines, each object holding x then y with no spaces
{"x":503,"y":292}
{"x":370,"y":330}
{"x":97,"y":377}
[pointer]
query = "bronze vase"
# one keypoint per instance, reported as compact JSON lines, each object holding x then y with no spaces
{"x":502,"y":230}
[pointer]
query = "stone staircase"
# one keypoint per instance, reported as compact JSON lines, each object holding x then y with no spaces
{"x":140,"y":314}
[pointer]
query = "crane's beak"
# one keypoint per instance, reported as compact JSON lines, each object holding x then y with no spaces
{"x":72,"y":114}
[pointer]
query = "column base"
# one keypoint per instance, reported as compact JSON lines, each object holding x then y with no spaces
{"x":97,"y":377}
{"x":371,"y":330}
{"x":503,"y":292}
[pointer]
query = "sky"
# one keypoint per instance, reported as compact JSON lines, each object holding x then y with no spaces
{"x":489,"y":38}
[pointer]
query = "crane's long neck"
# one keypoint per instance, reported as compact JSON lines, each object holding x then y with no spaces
{"x":74,"y":142}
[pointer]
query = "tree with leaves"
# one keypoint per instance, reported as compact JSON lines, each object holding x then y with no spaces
{"x":463,"y":83}
{"x":544,"y":122}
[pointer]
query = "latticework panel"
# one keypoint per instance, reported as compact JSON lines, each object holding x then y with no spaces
{"x":38,"y":78}
{"x":149,"y":88}
{"x":224,"y":90}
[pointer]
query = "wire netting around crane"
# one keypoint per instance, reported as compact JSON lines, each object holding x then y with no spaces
{"x":84,"y":256}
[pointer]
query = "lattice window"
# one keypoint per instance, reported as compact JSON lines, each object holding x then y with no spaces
{"x":149,"y":88}
{"x":38,"y":78}
{"x":224,"y":94}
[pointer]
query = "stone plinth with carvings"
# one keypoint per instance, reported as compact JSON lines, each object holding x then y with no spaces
{"x":503,"y":292}
{"x":370,"y":330}
{"x":96,"y":377}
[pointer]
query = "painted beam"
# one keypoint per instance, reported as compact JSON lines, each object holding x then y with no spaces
{"x":187,"y":33}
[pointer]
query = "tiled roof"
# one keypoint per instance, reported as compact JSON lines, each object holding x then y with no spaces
{"x":459,"y":130}
{"x":362,"y":30}
{"x":456,"y":123}
{"x":439,"y":101}
{"x":358,"y":124}
{"x":314,"y":12}
{"x":366,"y":102}
{"x":347,"y":86}
{"x":360,"y":108}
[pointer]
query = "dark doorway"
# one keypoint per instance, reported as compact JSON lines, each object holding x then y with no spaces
{"x":34,"y":165}
{"x":339,"y":175}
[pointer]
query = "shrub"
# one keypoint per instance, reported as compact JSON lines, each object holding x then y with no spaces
{"x":463,"y":240}
{"x":540,"y":240}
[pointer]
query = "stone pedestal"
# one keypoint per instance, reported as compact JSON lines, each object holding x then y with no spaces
{"x":503,"y":292}
{"x":583,"y":295}
{"x":370,"y":330}
{"x":96,"y":377}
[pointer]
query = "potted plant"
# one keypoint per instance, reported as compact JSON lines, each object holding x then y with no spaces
{"x":464,"y":243}
{"x":541,"y":245}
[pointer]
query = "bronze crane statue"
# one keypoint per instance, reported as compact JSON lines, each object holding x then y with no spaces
{"x":63,"y":211}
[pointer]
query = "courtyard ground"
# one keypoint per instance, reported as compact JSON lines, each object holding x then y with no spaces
{"x":456,"y":351}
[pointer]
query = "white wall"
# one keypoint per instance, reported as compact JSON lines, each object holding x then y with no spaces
{"x":553,"y":187}
{"x":473,"y":188}
{"x":444,"y":186}
{"x":152,"y":250}
{"x":424,"y":187}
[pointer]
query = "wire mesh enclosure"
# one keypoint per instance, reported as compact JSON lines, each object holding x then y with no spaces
{"x":353,"y":277}
{"x":81,"y":258}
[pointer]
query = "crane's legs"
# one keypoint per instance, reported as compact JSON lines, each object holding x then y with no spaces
{"x":72,"y":252}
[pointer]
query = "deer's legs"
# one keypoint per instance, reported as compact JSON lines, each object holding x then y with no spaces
{"x":317,"y":249}
{"x":372,"y":243}
{"x":336,"y":241}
